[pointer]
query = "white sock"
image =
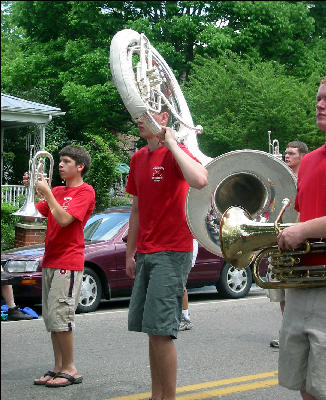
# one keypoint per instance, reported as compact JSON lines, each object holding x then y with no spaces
{"x":11,"y":305}
{"x":185,"y":313}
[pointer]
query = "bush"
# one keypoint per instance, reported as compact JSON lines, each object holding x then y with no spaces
{"x":8,"y":222}
{"x":122,"y":200}
{"x":103,"y":173}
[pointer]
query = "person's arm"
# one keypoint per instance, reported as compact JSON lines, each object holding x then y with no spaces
{"x":293,"y":236}
{"x":132,"y":239}
{"x":62,"y":217}
{"x":194,"y":173}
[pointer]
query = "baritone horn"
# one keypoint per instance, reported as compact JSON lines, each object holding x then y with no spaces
{"x":28,"y":212}
{"x":274,"y":146}
{"x":245,"y":242}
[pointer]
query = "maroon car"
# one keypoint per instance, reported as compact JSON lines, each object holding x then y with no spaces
{"x":104,"y":275}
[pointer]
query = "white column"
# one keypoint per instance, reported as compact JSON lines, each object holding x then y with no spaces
{"x":42,"y":136}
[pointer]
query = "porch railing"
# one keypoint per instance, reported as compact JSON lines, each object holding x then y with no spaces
{"x":11,"y":193}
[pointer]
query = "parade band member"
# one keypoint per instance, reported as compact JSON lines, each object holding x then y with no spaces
{"x":294,"y":153}
{"x":67,"y":209}
{"x":302,"y":357}
{"x":160,"y":174}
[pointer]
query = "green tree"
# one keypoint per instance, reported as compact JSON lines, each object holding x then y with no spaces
{"x":277,"y":30}
{"x":237,"y":112}
{"x":317,"y":10}
{"x":57,"y":53}
{"x":103,"y":172}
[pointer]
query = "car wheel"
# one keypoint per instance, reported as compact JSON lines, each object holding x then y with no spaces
{"x":90,"y":293}
{"x":234,"y":283}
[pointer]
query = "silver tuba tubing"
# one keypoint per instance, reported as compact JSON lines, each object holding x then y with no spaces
{"x":146,"y":84}
{"x":28,"y":212}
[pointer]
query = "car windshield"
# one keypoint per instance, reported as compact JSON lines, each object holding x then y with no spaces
{"x":105,"y":226}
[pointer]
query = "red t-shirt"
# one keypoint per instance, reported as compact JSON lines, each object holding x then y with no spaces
{"x":156,"y":179}
{"x":311,"y":192}
{"x":64,"y":246}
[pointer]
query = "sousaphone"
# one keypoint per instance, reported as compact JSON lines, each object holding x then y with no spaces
{"x":251,"y":179}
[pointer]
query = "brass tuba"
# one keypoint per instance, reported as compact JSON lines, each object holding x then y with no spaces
{"x":245,"y":242}
{"x":28,"y":212}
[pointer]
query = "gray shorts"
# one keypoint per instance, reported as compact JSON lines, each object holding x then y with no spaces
{"x":156,"y":300}
{"x":60,"y":297}
{"x":302,"y":355}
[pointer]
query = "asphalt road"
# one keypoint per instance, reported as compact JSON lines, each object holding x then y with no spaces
{"x":225,"y":356}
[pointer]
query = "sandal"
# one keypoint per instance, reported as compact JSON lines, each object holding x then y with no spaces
{"x":48,"y":373}
{"x":70,"y":380}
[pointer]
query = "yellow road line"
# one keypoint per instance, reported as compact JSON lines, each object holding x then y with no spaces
{"x":228,"y":390}
{"x":217,"y":392}
{"x":221,"y":382}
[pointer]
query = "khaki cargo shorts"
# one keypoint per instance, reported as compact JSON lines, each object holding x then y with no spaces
{"x":302,"y":355}
{"x":60,"y":297}
{"x":276,"y":295}
{"x":156,"y":300}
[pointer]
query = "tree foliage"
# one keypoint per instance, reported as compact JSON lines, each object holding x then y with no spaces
{"x":246,"y":67}
{"x":237,"y":113}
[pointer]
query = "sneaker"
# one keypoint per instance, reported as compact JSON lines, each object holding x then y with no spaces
{"x":185,"y":324}
{"x":16,"y":315}
{"x":275,"y":343}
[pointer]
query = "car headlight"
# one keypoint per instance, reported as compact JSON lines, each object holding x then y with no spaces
{"x":21,"y":266}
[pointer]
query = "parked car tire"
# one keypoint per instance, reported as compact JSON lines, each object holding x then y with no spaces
{"x":91,"y":292}
{"x":234,"y":283}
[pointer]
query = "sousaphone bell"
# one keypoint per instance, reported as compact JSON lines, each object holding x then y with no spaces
{"x":251,"y":179}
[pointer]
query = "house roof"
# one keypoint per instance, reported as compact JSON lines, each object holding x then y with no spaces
{"x":17,"y":112}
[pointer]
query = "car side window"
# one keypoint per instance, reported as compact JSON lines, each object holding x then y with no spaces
{"x":105,"y":226}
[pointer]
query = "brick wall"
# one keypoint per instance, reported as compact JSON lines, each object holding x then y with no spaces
{"x":28,"y":234}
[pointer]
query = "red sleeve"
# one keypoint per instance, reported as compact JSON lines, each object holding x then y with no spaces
{"x":131,"y":186}
{"x":80,"y":203}
{"x":43,"y":207}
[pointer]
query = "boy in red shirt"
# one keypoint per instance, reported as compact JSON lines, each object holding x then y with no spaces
{"x":159,"y":177}
{"x":302,"y":357}
{"x":67,"y":209}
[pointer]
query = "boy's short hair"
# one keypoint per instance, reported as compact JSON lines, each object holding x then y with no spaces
{"x":301,"y":146}
{"x":323,"y":81}
{"x":79,"y":155}
{"x":165,"y":108}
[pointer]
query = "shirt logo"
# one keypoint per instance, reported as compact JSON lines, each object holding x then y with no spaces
{"x":66,"y":202}
{"x":157,"y":174}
